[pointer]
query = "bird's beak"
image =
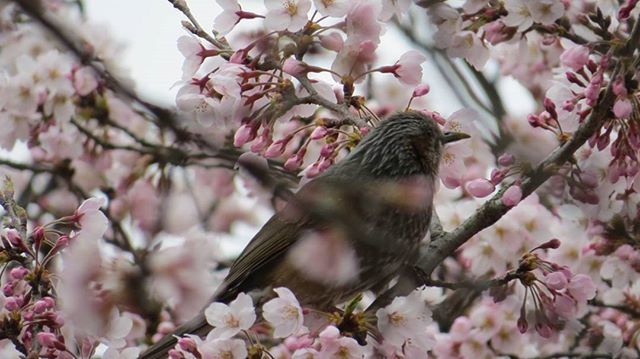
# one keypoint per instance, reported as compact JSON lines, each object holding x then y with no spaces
{"x":453,"y":136}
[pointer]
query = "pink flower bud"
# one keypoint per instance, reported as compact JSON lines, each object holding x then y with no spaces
{"x":575,"y":57}
{"x":506,"y":159}
{"x":512,"y":196}
{"x":619,"y":88}
{"x":327,"y":150}
{"x":534,"y":121}
{"x":622,"y":108}
{"x":421,"y":90}
{"x":277,"y":148}
{"x":12,"y":303}
{"x":243,"y":135}
{"x":313,"y":170}
{"x":544,"y":330}
{"x":480,"y":187}
{"x":40,"y":306}
{"x":550,"y":107}
{"x":14,"y":237}
{"x":497,"y":176}
{"x":187,"y":344}
{"x":294,"y":67}
{"x":295,"y":162}
{"x":568,"y":105}
{"x":319,"y":132}
{"x":332,"y":41}
{"x":522,"y":324}
{"x":47,"y":339}
{"x":261,"y":142}
{"x":18,"y":273}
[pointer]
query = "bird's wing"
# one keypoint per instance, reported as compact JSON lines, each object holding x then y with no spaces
{"x":273,"y":240}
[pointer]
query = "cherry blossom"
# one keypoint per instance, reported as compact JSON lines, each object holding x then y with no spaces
{"x":288,"y":15}
{"x":223,"y":348}
{"x":283,"y":313}
{"x":334,"y":8}
{"x":229,"y":320}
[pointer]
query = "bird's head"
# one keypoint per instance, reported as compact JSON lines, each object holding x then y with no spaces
{"x":407,"y":143}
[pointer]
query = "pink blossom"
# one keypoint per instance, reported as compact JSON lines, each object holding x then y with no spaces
{"x":405,"y":318}
{"x":480,"y":187}
{"x":288,"y":15}
{"x":622,"y":108}
{"x":496,"y":32}
{"x":394,"y":7}
{"x":512,"y":195}
{"x":84,"y":81}
{"x":575,"y":57}
{"x":332,"y":41}
{"x":93,"y":223}
{"x":333,"y":8}
{"x":283,"y":313}
{"x":467,"y":45}
{"x":229,"y":320}
{"x":556,"y":280}
{"x":545,"y":12}
{"x":409,"y":67}
{"x":333,"y":345}
{"x":48,"y":340}
{"x":223,"y":348}
{"x":228,"y":18}
{"x":581,"y":287}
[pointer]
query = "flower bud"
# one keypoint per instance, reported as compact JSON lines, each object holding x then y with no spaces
{"x":421,"y":90}
{"x":512,"y":196}
{"x":244,"y":134}
{"x":319,"y":132}
{"x":506,"y":159}
{"x":480,"y":187}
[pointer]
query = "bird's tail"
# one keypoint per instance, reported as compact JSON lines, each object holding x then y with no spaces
{"x":197,"y":326}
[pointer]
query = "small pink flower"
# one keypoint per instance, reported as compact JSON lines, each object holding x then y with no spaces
{"x":228,"y":18}
{"x":408,"y":69}
{"x":229,"y":320}
{"x":581,"y":288}
{"x":622,"y":108}
{"x":283,"y":313}
{"x":480,"y":187}
{"x":496,"y":32}
{"x":334,"y":8}
{"x":512,"y":196}
{"x":575,"y":57}
{"x":288,"y":15}
{"x":556,"y":280}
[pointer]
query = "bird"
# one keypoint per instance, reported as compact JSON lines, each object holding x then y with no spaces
{"x":348,"y":230}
